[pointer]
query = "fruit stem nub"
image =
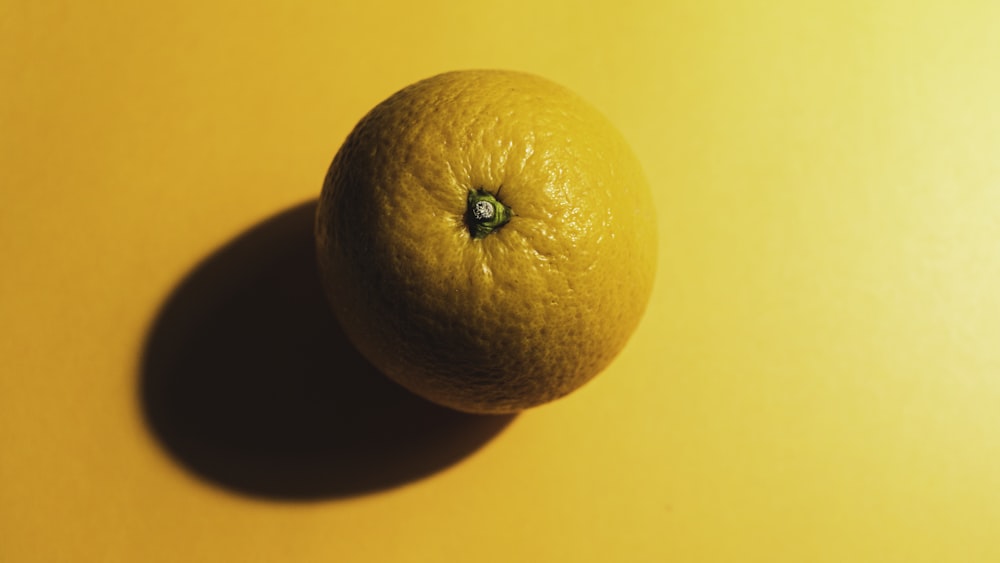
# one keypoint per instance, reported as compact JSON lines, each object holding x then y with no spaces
{"x":484,"y":213}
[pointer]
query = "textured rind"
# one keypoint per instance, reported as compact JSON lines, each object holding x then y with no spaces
{"x":530,"y":312}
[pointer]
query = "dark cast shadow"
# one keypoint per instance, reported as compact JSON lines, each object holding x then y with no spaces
{"x":248,"y":381}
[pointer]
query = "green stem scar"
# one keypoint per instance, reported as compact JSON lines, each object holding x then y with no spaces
{"x":484,"y":213}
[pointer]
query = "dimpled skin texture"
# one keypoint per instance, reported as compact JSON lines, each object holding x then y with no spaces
{"x":531,"y":311}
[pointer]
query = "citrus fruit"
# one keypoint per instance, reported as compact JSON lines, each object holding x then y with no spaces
{"x":487,"y":239}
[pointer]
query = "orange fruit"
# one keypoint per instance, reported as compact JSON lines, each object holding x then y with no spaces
{"x":487,"y":239}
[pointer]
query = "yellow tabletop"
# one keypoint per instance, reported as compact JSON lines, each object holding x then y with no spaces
{"x":817,"y":378}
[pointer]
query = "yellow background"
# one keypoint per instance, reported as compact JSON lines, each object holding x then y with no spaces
{"x":817,"y":378}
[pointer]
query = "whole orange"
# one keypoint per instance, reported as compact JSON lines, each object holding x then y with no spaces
{"x":487,"y":239}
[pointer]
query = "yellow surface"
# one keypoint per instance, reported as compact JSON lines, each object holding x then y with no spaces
{"x":817,"y":378}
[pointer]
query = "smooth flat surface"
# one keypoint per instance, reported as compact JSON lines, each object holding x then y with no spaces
{"x":817,"y":378}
